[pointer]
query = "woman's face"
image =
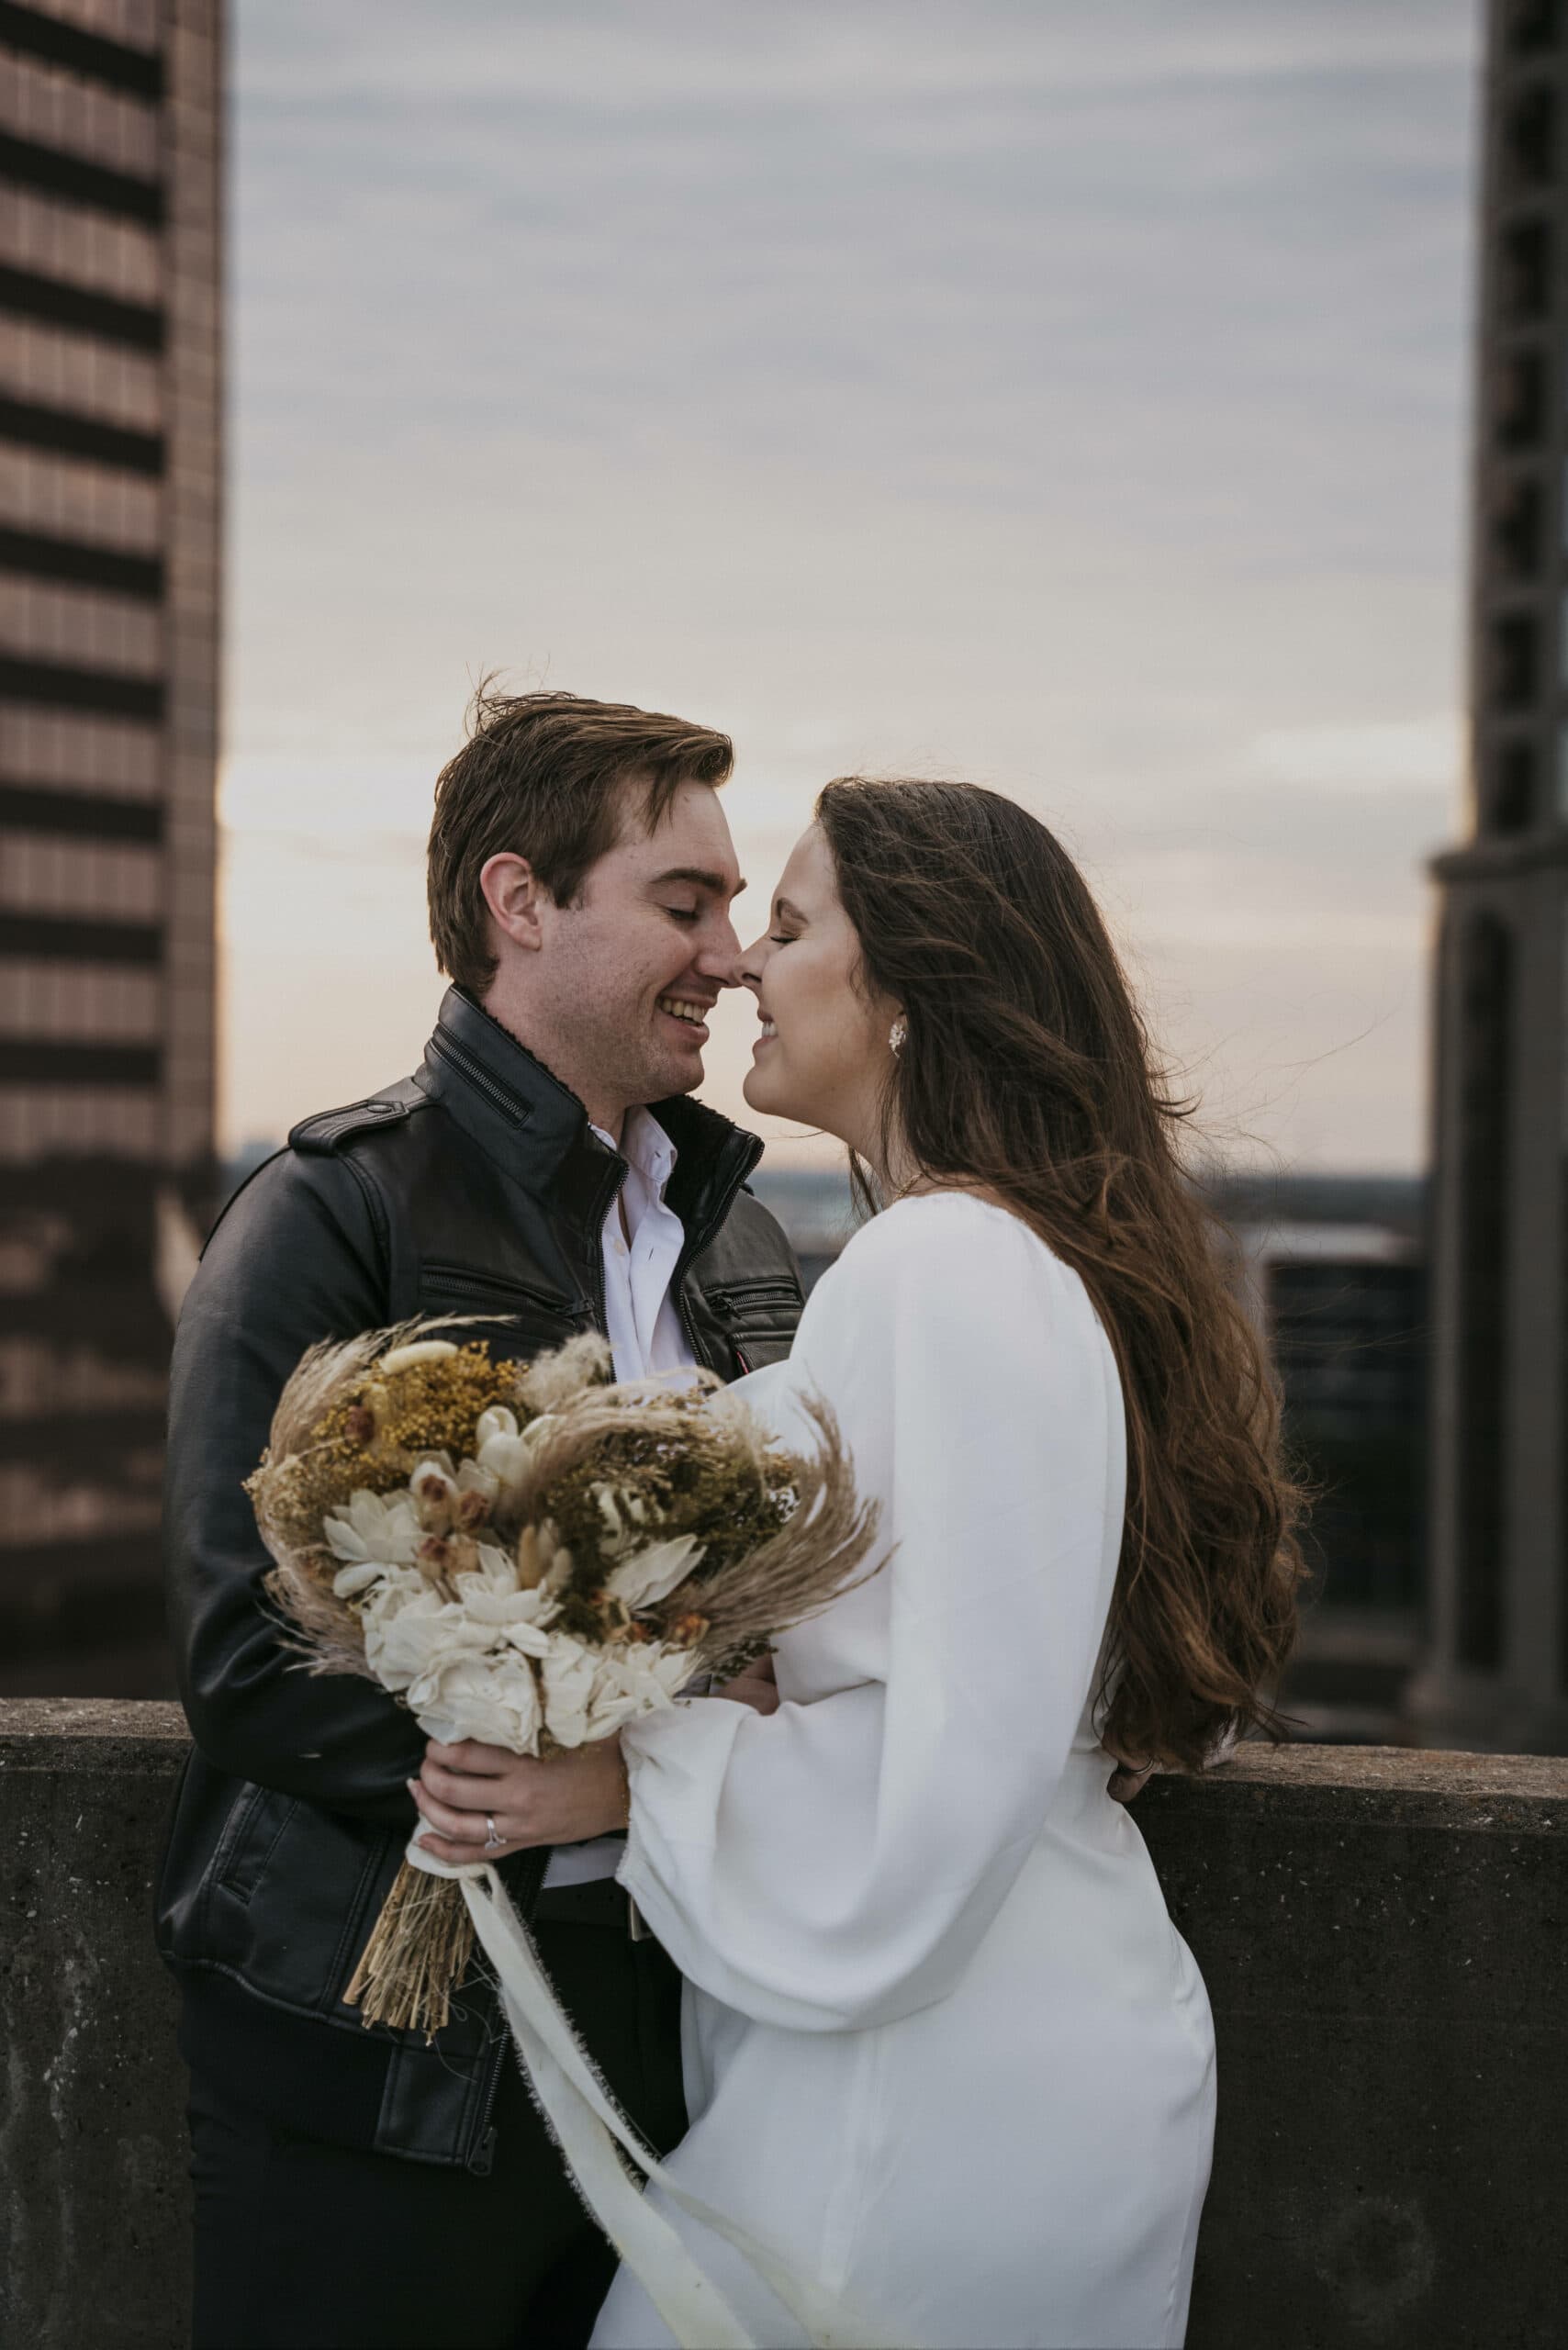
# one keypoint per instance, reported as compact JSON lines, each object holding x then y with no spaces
{"x":822,"y":1056}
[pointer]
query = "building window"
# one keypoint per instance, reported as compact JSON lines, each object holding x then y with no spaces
{"x":1515,"y":529}
{"x":78,"y":628}
{"x":1529,"y":138}
{"x":46,"y":873}
{"x":51,"y":368}
{"x":1349,"y":1343}
{"x":37,"y":1122}
{"x":1518,"y":399}
{"x":55,"y":746}
{"x":71,"y":498}
{"x":1511,"y":796}
{"x":55,"y":107}
{"x":1483,"y":1101}
{"x":1533,"y":25}
{"x":1512,"y":682}
{"x":1524,"y":260}
{"x":80,"y":1002}
{"x":134,"y":22}
{"x":78,"y":246}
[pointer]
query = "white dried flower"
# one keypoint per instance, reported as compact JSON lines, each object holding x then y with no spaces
{"x":568,"y":1672}
{"x":411,"y":1633}
{"x":349,"y":1582}
{"x":493,"y":1699}
{"x":419,"y":1350}
{"x":492,"y":1595}
{"x":648,"y":1575}
{"x":497,"y":1421}
{"x":504,"y":1457}
{"x":380,"y":1527}
{"x":434,"y":1489}
{"x":635,"y":1679}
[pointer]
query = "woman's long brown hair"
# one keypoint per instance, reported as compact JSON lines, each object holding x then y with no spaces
{"x":1028,"y":1073}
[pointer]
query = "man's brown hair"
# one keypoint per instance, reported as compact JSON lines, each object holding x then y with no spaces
{"x":550,"y":776}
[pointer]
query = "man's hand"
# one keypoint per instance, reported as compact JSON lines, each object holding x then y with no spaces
{"x":561,"y":1800}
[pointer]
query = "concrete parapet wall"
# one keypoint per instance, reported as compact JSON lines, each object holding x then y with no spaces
{"x":1384,"y":1936}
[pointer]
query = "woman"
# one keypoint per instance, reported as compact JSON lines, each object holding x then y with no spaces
{"x":944,"y":2051}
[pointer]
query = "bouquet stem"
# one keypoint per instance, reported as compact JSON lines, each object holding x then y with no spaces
{"x":419,"y":1950}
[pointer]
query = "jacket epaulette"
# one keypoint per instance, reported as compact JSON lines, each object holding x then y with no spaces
{"x":329,"y":1130}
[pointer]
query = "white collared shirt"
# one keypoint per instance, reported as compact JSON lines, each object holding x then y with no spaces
{"x":640,"y":1314}
{"x":646,"y":1336}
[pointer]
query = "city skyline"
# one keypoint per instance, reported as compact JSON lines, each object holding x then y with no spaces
{"x":1078,"y":407}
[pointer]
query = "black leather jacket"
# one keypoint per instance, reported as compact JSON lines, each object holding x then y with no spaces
{"x":476,"y":1185}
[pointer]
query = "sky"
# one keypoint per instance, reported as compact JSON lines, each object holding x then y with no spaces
{"x":1072,"y":399}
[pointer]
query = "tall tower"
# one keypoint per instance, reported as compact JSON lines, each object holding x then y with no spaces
{"x":110,"y":140}
{"x":1497,"y":1670}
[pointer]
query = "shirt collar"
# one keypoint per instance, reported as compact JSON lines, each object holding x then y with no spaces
{"x":644,"y":1145}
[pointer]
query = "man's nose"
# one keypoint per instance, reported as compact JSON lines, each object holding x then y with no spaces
{"x":720,"y":957}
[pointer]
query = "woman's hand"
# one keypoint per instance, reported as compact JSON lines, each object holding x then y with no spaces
{"x":755,"y":1688}
{"x":562,"y":1800}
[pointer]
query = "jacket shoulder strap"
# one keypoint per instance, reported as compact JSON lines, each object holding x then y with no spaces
{"x":332,"y":1130}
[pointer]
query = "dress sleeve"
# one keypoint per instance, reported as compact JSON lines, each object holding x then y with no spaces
{"x":835,"y":1864}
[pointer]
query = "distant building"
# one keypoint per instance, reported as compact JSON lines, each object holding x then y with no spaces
{"x":1333,"y":1272}
{"x":1497,"y":1672}
{"x":110,"y":350}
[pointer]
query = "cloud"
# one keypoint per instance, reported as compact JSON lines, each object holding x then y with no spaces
{"x":1072,"y":399}
{"x":1402,"y":755}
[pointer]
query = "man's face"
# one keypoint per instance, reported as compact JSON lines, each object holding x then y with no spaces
{"x":651,"y":932}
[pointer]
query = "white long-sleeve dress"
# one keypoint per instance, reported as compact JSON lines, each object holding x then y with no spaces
{"x":944,"y":2048}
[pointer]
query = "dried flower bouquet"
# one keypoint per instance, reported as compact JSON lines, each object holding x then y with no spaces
{"x":528,"y":1555}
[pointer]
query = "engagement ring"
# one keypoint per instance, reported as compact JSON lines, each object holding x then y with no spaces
{"x":492,"y":1841}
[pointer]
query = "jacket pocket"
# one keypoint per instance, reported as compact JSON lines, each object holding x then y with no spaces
{"x":254,"y":1831}
{"x":764,"y":1292}
{"x":758,"y":1316}
{"x":526,"y":1319}
{"x":472,"y":1280}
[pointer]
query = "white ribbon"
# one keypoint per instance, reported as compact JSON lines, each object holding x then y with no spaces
{"x":589,"y":2126}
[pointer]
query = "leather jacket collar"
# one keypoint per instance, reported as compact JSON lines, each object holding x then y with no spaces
{"x":537,"y":1131}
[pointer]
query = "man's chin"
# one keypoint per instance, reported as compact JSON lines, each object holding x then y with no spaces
{"x":682,"y":1073}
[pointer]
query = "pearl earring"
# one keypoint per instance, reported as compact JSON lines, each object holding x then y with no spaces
{"x":897,"y":1035}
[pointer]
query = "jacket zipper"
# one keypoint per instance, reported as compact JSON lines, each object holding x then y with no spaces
{"x":480,"y":1076}
{"x":483,"y":2159}
{"x":761,"y":1293}
{"x":454,"y":1277}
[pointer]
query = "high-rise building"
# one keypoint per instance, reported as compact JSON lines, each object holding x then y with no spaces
{"x":1498,"y":1671}
{"x":110,"y":378}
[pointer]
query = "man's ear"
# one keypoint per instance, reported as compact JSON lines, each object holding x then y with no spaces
{"x":514,"y":896}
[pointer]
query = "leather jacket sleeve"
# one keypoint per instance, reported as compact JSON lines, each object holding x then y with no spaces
{"x":295,"y":1258}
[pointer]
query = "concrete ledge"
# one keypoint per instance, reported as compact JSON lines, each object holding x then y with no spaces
{"x":1382,"y":1937}
{"x":1382,"y":1933}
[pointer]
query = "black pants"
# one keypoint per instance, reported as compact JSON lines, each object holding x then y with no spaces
{"x":305,"y":2245}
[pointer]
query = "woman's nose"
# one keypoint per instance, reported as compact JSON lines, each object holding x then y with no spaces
{"x":749,"y":963}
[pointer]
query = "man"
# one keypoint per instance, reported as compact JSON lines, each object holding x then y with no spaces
{"x":358,"y":2187}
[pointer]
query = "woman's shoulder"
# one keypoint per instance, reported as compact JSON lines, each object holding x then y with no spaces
{"x":947,"y":1243}
{"x":948,"y":1294}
